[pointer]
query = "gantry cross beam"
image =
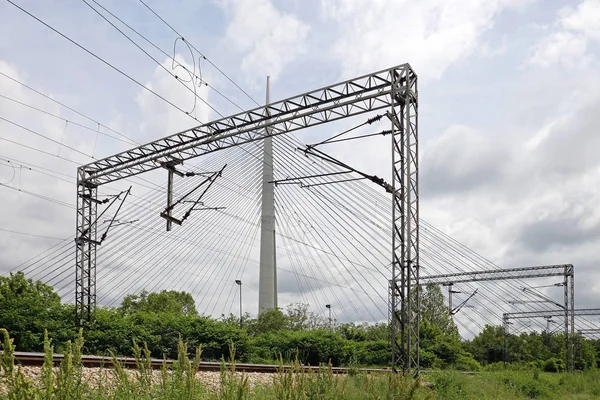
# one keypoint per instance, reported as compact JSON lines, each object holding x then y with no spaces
{"x":500,"y":274}
{"x":567,"y":271}
{"x":589,"y":331}
{"x":394,"y":89}
{"x":353,"y":97}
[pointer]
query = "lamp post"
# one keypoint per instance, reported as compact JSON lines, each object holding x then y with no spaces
{"x":237,"y":281}
{"x":328,"y":306}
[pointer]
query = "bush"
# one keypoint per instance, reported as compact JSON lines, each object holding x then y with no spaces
{"x":450,"y":385}
{"x":466,"y":362}
{"x":497,"y":366}
{"x":309,"y":347}
{"x":554,"y":365}
{"x":429,"y":360}
{"x":526,"y":385}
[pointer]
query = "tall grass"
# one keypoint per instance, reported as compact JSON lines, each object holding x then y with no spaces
{"x":507,"y":385}
{"x":180,"y":381}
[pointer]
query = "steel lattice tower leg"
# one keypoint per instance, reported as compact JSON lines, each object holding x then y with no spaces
{"x":85,"y":253}
{"x":506,"y":324}
{"x":569,"y":294}
{"x":404,"y":296}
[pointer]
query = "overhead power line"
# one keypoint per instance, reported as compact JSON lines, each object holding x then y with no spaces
{"x":97,"y":131}
{"x":67,"y":107}
{"x":199,"y":52}
{"x":50,"y":199}
{"x":31,"y":234}
{"x":103,"y":61}
{"x":45,"y":137}
{"x":193,"y":91}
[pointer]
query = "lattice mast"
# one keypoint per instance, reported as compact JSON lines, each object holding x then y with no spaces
{"x":86,"y":242}
{"x":404,"y":297}
{"x":267,"y":295}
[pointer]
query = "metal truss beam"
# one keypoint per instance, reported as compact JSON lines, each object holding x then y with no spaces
{"x":499,"y":274}
{"x":352,"y":97}
{"x":580,"y":312}
{"x":589,"y":331}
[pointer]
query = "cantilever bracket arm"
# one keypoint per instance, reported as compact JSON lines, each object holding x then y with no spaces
{"x":456,"y":309}
{"x":83,"y":237}
{"x":209,"y":180}
{"x":115,"y":216}
{"x":310,"y":150}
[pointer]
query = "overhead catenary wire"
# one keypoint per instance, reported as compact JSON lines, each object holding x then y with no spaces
{"x":95,"y":130}
{"x":198,"y":51}
{"x":171,"y":57}
{"x":31,"y":234}
{"x":193,"y":91}
{"x":66,"y":107}
{"x":118,"y":70}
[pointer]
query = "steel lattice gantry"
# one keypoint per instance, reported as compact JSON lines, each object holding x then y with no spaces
{"x":394,"y":89}
{"x":567,"y":271}
{"x":570,"y":336}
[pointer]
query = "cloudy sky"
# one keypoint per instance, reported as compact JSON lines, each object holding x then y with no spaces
{"x":509,"y":94}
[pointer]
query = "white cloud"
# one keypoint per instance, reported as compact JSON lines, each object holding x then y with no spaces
{"x":160,"y":119}
{"x":430,"y":35}
{"x":268,"y":38}
{"x":562,"y":47}
{"x":23,"y":212}
{"x":585,"y":18}
{"x":568,"y":43}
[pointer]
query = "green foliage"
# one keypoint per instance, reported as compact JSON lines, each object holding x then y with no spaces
{"x":466,"y":362}
{"x":7,"y":363}
{"x":522,"y":384}
{"x":268,"y":321}
{"x":69,"y":379}
{"x":554,"y":365}
{"x":27,"y":308}
{"x":162,"y":320}
{"x":165,"y":302}
{"x":488,"y":346}
{"x":48,"y":367}
{"x":233,"y":386}
{"x":434,"y":311}
{"x":309,"y":347}
{"x":179,"y":382}
{"x":526,"y":385}
{"x":21,"y":387}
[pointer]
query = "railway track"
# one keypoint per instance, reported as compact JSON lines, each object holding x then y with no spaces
{"x":37,"y":359}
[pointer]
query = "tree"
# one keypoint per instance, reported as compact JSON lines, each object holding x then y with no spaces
{"x":268,"y":321}
{"x":167,"y":301}
{"x":488,"y":346}
{"x":435,"y":312}
{"x":439,"y":338}
{"x":300,"y":319}
{"x":26,"y":309}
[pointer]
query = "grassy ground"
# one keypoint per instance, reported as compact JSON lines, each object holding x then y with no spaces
{"x":507,"y":385}
{"x":180,"y":382}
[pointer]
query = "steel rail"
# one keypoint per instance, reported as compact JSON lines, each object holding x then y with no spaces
{"x":37,"y":360}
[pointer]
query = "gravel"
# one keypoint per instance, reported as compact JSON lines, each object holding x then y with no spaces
{"x":95,"y":376}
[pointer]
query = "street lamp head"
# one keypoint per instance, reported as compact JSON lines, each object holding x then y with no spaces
{"x":328,"y":305}
{"x":238,"y":282}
